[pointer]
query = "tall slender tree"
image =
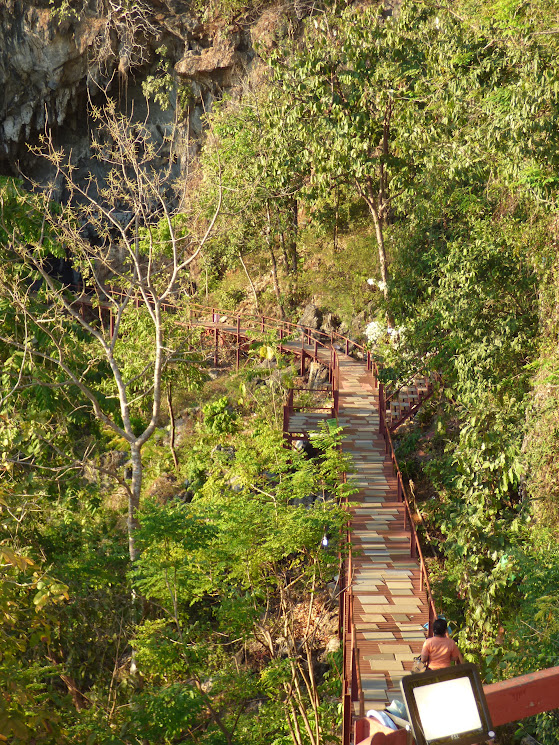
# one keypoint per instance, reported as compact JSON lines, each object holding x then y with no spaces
{"x":107,"y":347}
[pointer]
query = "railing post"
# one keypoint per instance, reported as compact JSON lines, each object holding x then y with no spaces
{"x":238,"y":356}
{"x":347,"y":716}
{"x":216,"y":342}
{"x":382,"y":409}
{"x":354,"y":681}
{"x":336,"y":390}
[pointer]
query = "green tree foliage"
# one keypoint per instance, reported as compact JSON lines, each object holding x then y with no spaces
{"x":27,"y":619}
{"x":348,"y":96}
{"x":260,"y":172}
{"x":239,"y":575}
{"x":442,"y":121}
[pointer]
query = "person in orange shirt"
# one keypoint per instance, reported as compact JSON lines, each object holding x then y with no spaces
{"x":440,"y":650}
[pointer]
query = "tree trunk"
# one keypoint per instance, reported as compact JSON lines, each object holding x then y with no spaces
{"x":275,"y":282}
{"x":337,"y":219}
{"x":134,"y":499}
{"x":283,"y":242}
{"x":251,"y":283}
{"x":383,"y":261}
{"x":292,"y":245}
{"x":274,"y":262}
{"x":172,"y":420}
{"x":377,"y":208}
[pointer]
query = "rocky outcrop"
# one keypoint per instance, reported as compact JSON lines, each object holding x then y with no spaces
{"x":311,"y":318}
{"x":223,"y":55}
{"x":42,"y":64}
{"x":56,"y":56}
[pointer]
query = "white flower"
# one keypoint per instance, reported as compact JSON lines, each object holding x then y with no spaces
{"x":381,"y":285}
{"x":371,"y":281}
{"x":375,"y":331}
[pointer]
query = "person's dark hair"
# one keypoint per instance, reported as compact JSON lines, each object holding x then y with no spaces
{"x":439,"y":627}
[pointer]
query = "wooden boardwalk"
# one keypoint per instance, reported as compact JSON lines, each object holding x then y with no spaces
{"x":385,"y":606}
{"x":389,"y":608}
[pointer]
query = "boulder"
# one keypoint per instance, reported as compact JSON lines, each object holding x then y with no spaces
{"x":330,"y":323}
{"x":318,"y":375}
{"x":311,"y":318}
{"x":222,"y":56}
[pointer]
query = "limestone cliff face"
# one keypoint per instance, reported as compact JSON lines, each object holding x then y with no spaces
{"x":41,"y":67}
{"x":52,"y":61}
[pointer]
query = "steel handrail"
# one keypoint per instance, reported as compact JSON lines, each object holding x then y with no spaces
{"x":416,"y":545}
{"x":308,"y":335}
{"x":396,"y":391}
{"x":257,"y":320}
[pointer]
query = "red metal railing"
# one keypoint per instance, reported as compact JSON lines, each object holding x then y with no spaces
{"x":216,"y":320}
{"x":352,"y":681}
{"x":409,"y":524}
{"x":218,"y":317}
{"x":508,"y":701}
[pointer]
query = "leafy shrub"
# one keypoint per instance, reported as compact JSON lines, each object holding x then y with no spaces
{"x":219,"y":417}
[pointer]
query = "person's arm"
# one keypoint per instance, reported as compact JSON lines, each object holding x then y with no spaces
{"x":425,"y":652}
{"x":457,"y":655}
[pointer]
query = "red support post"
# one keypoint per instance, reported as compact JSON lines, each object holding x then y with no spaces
{"x":238,"y":356}
{"x":336,"y":390}
{"x":347,"y":716}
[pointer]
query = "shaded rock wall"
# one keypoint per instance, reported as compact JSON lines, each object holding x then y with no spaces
{"x":52,"y":63}
{"x":41,"y":69}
